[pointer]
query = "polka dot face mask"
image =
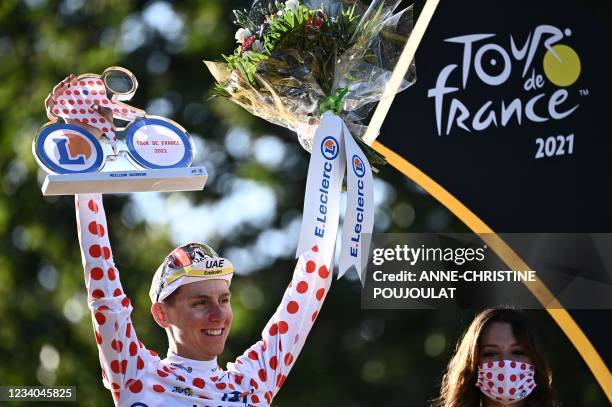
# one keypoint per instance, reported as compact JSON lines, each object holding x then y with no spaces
{"x":506,"y":381}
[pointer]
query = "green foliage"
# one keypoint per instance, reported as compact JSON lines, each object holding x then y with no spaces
{"x":245,"y":63}
{"x":219,"y":90}
{"x":294,"y":29}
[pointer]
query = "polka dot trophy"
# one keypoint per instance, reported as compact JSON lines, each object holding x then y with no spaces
{"x":136,"y":375}
{"x":506,"y":381}
{"x":87,"y":102}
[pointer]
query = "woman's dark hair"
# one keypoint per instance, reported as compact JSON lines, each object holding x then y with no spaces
{"x":459,"y":382}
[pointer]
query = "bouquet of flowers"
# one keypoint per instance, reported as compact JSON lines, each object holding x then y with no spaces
{"x":295,"y":60}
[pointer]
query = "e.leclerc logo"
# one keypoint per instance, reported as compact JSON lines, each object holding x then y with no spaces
{"x":359,"y":169}
{"x":329,"y":150}
{"x":69,"y":150}
{"x":547,"y":69}
{"x":358,"y":166}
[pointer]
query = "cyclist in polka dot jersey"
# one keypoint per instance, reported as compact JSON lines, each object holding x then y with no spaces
{"x":189,"y":375}
{"x":84,"y":101}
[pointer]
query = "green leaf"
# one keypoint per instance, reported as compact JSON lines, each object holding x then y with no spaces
{"x":289,"y":17}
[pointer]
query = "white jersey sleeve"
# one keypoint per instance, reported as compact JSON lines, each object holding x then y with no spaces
{"x":122,"y":355}
{"x":266,"y":364}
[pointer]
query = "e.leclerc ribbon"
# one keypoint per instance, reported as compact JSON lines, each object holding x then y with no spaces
{"x":323,"y":187}
{"x":331,"y":147}
{"x":359,"y":216}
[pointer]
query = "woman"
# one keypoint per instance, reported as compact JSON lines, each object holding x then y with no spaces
{"x":498,"y":362}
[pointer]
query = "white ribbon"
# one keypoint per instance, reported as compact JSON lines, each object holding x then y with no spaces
{"x":333,"y":144}
{"x":359,"y":217}
{"x":323,"y":186}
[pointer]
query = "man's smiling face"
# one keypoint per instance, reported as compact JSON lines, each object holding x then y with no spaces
{"x":198,"y":319}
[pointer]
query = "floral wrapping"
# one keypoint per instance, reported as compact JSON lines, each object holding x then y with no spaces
{"x":296,"y":58}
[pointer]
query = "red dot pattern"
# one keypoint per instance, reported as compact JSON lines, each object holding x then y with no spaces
{"x":95,"y":250}
{"x":320,"y":293}
{"x":139,"y":363}
{"x":302,"y":287}
{"x":117,"y":345}
{"x":100,"y":318}
{"x":292,"y":307}
{"x":253,"y":355}
{"x":136,"y":386}
{"x":503,"y":381}
{"x":97,"y":273}
{"x":80,"y":93}
{"x":273,"y":363}
{"x":129,"y":365}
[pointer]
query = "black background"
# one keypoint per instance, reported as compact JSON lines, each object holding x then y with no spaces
{"x":493,"y":172}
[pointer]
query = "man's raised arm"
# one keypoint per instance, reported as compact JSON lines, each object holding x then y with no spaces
{"x":122,"y":356}
{"x":266,"y":364}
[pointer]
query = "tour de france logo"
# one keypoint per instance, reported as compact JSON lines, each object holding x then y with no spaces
{"x":329,"y":148}
{"x":541,"y":60}
{"x":358,"y":166}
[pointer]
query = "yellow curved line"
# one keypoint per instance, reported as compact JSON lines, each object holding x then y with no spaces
{"x":537,"y":288}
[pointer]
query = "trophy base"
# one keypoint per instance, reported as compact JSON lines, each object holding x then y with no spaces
{"x":116,"y":182}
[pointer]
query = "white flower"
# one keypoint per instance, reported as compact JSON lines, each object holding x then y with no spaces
{"x":292,"y":5}
{"x":242,"y":34}
{"x":257,"y":46}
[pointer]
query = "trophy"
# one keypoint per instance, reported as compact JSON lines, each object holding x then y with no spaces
{"x":81,"y":153}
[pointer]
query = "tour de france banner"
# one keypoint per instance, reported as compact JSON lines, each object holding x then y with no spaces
{"x":510,"y":117}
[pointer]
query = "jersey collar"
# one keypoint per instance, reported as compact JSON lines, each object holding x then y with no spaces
{"x":189,"y":365}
